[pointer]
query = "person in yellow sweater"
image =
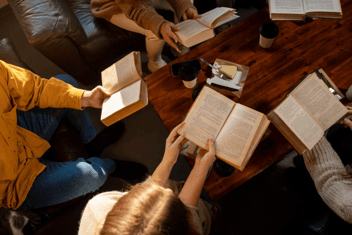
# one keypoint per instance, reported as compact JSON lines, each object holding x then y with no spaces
{"x":31,"y":108}
{"x":139,"y":16}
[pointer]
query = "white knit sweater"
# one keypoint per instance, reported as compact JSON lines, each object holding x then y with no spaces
{"x":330,"y":178}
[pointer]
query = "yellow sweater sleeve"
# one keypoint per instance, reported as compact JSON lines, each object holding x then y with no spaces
{"x":29,"y":90}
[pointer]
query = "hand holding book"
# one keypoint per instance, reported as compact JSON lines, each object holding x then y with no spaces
{"x":307,"y":111}
{"x":348,"y":120}
{"x":173,"y":142}
{"x":172,"y":150}
{"x":206,"y":158}
{"x":168,"y":29}
{"x":127,"y":88}
{"x":190,"y":14}
{"x":95,"y":97}
{"x":236,"y":129}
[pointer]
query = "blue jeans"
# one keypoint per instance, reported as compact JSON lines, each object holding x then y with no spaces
{"x":63,"y":181}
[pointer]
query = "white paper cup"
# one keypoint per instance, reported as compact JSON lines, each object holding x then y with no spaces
{"x":188,"y":74}
{"x":190,"y":84}
{"x":349,"y":93}
{"x":265,"y":42}
{"x":268,"y":32}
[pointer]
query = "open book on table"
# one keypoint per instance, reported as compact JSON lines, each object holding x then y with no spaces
{"x":130,"y":93}
{"x":307,"y":111}
{"x":236,"y":129}
{"x":196,"y":31}
{"x":300,"y":9}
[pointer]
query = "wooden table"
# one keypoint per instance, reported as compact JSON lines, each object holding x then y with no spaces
{"x":299,"y":47}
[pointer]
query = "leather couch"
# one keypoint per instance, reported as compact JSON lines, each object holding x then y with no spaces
{"x":68,"y":34}
{"x":65,"y":146}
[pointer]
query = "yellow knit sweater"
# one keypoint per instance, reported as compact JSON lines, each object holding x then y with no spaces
{"x":139,"y":11}
{"x":21,"y":89}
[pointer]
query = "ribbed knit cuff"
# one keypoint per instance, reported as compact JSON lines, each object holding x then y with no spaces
{"x":180,"y":7}
{"x":152,"y":21}
{"x":76,"y":94}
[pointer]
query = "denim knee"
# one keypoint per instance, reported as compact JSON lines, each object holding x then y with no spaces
{"x":68,"y":79}
{"x":94,"y":173}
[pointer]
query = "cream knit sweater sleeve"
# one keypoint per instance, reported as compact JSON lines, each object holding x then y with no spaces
{"x":330,"y":178}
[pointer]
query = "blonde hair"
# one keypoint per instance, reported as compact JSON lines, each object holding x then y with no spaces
{"x":149,"y":209}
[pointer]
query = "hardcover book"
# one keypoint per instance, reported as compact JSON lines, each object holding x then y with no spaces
{"x":129,"y":89}
{"x":236,"y":129}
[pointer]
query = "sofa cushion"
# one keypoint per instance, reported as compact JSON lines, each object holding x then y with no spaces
{"x":9,"y":54}
{"x":103,"y":38}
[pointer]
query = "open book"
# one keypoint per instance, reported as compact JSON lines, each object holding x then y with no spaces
{"x":196,"y":31}
{"x":306,"y":112}
{"x":300,"y":9}
{"x":236,"y":129}
{"x":130,"y":93}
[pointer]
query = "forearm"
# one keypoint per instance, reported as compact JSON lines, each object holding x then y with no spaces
{"x":330,"y":178}
{"x":143,"y":15}
{"x":30,"y":90}
{"x":180,"y":7}
{"x":192,"y":189}
{"x":85,"y":100}
{"x":162,"y":172}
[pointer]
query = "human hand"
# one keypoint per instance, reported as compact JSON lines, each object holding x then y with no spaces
{"x":95,"y":97}
{"x":348,"y":120}
{"x":167,"y":31}
{"x":173,"y":142}
{"x":191,"y":13}
{"x":205,"y":158}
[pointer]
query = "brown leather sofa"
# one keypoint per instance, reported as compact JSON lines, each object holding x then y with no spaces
{"x":66,"y":146}
{"x":68,"y":34}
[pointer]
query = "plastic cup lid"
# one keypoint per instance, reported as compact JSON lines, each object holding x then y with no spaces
{"x":188,"y":72}
{"x":269,"y":30}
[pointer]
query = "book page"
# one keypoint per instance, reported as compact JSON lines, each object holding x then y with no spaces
{"x":299,"y":121}
{"x":237,"y":134}
{"x":121,"y":99}
{"x":212,"y":17}
{"x":224,"y":21}
{"x":189,"y":29}
{"x":286,"y":6}
{"x":316,"y":98}
{"x":259,"y":136}
{"x":206,"y":117}
{"x":122,"y":73}
{"x":322,"y":5}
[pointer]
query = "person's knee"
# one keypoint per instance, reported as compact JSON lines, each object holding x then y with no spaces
{"x":68,"y":79}
{"x":149,"y":35}
{"x":92,"y":176}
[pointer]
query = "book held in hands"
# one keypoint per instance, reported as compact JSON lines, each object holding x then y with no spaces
{"x":300,"y":9}
{"x":236,"y":129}
{"x":195,"y":31}
{"x":307,"y":111}
{"x":129,"y":89}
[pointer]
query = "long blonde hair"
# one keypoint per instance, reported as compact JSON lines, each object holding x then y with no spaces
{"x":148,"y":209}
